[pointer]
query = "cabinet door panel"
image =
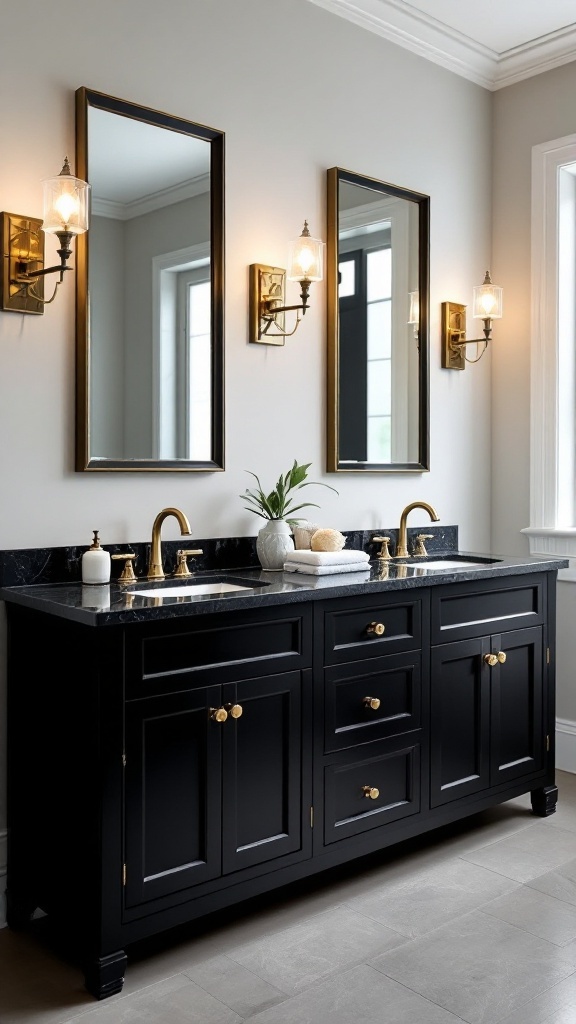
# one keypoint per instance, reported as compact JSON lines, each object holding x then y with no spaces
{"x":172,"y":791}
{"x":517,"y":705}
{"x":262,"y":770}
{"x":394,"y":681}
{"x":392,"y":771}
{"x":460,"y":709}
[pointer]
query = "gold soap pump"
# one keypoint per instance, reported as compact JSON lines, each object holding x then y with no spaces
{"x":96,"y":563}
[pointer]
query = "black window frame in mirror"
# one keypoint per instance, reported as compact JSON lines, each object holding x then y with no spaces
{"x":86,"y":98}
{"x":335,"y":464}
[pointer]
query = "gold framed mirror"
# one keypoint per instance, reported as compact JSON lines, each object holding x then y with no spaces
{"x":378,"y":297}
{"x":149,"y":290}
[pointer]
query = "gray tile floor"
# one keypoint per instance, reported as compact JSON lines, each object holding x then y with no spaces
{"x":473,"y":923}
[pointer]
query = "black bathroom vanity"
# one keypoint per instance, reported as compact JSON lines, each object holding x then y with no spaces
{"x":170,"y":756}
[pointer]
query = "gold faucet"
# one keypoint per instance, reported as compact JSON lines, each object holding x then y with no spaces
{"x":155,"y":567}
{"x":401,"y":547}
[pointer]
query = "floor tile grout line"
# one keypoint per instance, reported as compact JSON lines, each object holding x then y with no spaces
{"x":415,"y":991}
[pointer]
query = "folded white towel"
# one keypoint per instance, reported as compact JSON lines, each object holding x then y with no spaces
{"x":346,"y":556}
{"x":324,"y":570}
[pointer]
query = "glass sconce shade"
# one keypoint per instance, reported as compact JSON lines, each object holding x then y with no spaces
{"x":306,"y":258}
{"x":414,"y":314}
{"x":487,"y":301}
{"x":65,"y":203}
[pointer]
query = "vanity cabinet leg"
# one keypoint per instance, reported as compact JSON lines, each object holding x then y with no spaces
{"x":105,"y":974}
{"x":544,"y":801}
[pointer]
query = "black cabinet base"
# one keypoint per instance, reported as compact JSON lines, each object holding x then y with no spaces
{"x":544,"y":800}
{"x":105,"y":975}
{"x":19,"y":910}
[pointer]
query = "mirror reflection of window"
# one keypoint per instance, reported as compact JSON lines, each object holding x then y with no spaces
{"x":199,"y":359}
{"x":379,"y":353}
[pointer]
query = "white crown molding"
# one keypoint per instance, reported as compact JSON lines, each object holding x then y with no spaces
{"x":437,"y":42}
{"x":155,"y":201}
{"x":534,"y":58}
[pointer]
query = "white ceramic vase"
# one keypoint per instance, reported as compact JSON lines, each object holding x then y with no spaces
{"x":273,"y":543}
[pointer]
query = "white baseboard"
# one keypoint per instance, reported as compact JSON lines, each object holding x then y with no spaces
{"x":566,"y":745}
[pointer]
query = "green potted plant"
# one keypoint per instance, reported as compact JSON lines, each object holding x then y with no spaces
{"x":278,"y":507}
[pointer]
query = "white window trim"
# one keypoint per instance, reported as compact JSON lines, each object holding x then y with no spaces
{"x":544,"y":536}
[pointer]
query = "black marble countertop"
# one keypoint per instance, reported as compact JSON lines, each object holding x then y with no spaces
{"x":116,"y":604}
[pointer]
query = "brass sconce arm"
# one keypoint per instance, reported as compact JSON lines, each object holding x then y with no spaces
{"x":64,"y":253}
{"x":25,"y":280}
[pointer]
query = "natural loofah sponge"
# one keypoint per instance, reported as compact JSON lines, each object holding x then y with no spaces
{"x":327,"y":540}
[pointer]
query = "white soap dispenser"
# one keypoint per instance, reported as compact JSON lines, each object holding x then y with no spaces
{"x":96,"y":563}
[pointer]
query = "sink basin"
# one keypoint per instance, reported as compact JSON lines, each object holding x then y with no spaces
{"x":199,"y":588}
{"x":445,"y":564}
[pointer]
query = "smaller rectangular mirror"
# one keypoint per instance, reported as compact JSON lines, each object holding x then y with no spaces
{"x":377,"y":288}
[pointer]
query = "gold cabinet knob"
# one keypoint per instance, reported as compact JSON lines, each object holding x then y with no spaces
{"x":218,"y":714}
{"x":371,"y":792}
{"x":501,"y":657}
{"x":491,"y":659}
{"x":234,"y":710}
{"x":375,"y":628}
{"x":372,"y":702}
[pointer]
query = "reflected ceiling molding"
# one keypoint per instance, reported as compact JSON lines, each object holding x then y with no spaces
{"x":115,"y":210}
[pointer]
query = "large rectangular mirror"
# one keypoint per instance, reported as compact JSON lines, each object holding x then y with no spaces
{"x":377,"y":288}
{"x":150,"y":290}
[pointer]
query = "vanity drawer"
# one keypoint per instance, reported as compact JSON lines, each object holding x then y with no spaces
{"x":392,"y":770}
{"x":466,"y":610}
{"x":349,"y":630}
{"x":365,"y":702}
{"x":199,"y":650}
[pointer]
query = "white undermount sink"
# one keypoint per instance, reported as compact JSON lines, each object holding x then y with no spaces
{"x":200,"y":588}
{"x":445,"y":564}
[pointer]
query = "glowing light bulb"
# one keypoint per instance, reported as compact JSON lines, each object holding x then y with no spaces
{"x":487,"y":303}
{"x":65,"y":203}
{"x":66,"y":206}
{"x":306,"y":258}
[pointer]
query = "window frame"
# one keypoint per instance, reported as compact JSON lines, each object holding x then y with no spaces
{"x":546,"y":536}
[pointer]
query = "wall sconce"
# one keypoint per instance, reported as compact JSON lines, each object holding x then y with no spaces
{"x":23,"y":271}
{"x":487,"y":306}
{"x":414,"y":313}
{"x":267,"y":325}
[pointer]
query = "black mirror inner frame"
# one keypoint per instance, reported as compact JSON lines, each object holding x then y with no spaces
{"x":149,"y":291}
{"x":378,"y":268}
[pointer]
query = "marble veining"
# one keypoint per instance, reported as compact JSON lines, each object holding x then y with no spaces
{"x":116,"y":604}
{"x":29,"y":566}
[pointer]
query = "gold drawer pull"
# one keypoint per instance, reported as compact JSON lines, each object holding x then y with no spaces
{"x":491,"y":659}
{"x":218,"y":714}
{"x":234,"y":710}
{"x":371,"y":792}
{"x":375,"y":628}
{"x":501,"y":657}
{"x":372,"y":702}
